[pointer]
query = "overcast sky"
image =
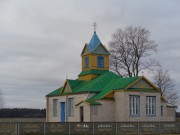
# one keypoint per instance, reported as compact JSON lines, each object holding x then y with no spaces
{"x":41,"y":40}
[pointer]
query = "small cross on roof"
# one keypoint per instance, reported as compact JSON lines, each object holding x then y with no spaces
{"x":95,"y":26}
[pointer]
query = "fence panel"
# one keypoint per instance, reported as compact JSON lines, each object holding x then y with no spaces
{"x":128,"y":128}
{"x":56,"y":128}
{"x":85,"y":128}
{"x":89,"y":128}
{"x":169,"y":128}
{"x":104,"y":128}
{"x":29,"y":128}
{"x":148,"y":128}
{"x":8,"y":128}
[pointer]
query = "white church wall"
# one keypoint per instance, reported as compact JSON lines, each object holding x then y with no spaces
{"x":122,"y":108}
{"x":103,"y":112}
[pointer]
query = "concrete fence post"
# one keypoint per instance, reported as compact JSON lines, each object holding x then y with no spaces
{"x":44,"y":128}
{"x":159,"y":129}
{"x":138,"y":128}
{"x":116,"y":129}
{"x":93,"y":128}
{"x":17,"y":128}
{"x":69,"y":126}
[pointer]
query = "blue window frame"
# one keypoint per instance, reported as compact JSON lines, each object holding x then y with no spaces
{"x":100,"y":61}
{"x":71,"y":106}
{"x":150,"y":105}
{"x":134,"y":105}
{"x":86,"y":62}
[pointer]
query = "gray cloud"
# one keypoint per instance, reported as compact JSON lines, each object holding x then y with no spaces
{"x":41,"y":41}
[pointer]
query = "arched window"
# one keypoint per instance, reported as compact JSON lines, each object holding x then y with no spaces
{"x":100,"y":61}
{"x":86,"y":62}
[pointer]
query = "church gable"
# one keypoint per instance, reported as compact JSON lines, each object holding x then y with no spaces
{"x":142,"y":83}
{"x":100,"y":50}
{"x":66,"y":88}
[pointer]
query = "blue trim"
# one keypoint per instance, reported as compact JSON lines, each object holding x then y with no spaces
{"x":100,"y":61}
{"x":70,"y":110}
{"x":154,"y":97}
{"x":138,"y":113}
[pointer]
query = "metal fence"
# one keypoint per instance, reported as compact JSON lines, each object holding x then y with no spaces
{"x":89,"y":128}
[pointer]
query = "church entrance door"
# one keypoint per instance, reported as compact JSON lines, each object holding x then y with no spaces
{"x":62,"y":111}
{"x":81,"y":114}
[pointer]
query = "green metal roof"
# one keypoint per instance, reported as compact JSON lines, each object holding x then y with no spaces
{"x":119,"y":84}
{"x":74,"y":83}
{"x":103,"y":85}
{"x":115,"y":84}
{"x":98,"y":84}
{"x":95,"y":85}
{"x":55,"y":92}
{"x":93,"y":71}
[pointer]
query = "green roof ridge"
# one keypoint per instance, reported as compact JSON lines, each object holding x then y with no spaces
{"x":98,"y":83}
{"x":93,"y":71}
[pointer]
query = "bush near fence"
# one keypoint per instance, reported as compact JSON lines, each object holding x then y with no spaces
{"x":89,"y":128}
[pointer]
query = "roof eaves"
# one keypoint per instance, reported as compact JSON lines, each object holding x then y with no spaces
{"x":85,"y":46}
{"x":92,"y":71}
{"x":92,"y":102}
{"x":150,"y":83}
{"x":55,"y":92}
{"x":70,"y":93}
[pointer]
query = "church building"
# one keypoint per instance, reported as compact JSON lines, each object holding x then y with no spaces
{"x":99,"y":95}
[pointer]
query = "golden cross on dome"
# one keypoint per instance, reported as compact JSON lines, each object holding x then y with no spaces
{"x":95,"y":26}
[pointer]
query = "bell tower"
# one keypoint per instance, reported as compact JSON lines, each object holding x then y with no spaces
{"x":95,"y":59}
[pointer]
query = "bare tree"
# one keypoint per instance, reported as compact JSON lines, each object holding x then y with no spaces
{"x":129,"y":48}
{"x":166,"y":85}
